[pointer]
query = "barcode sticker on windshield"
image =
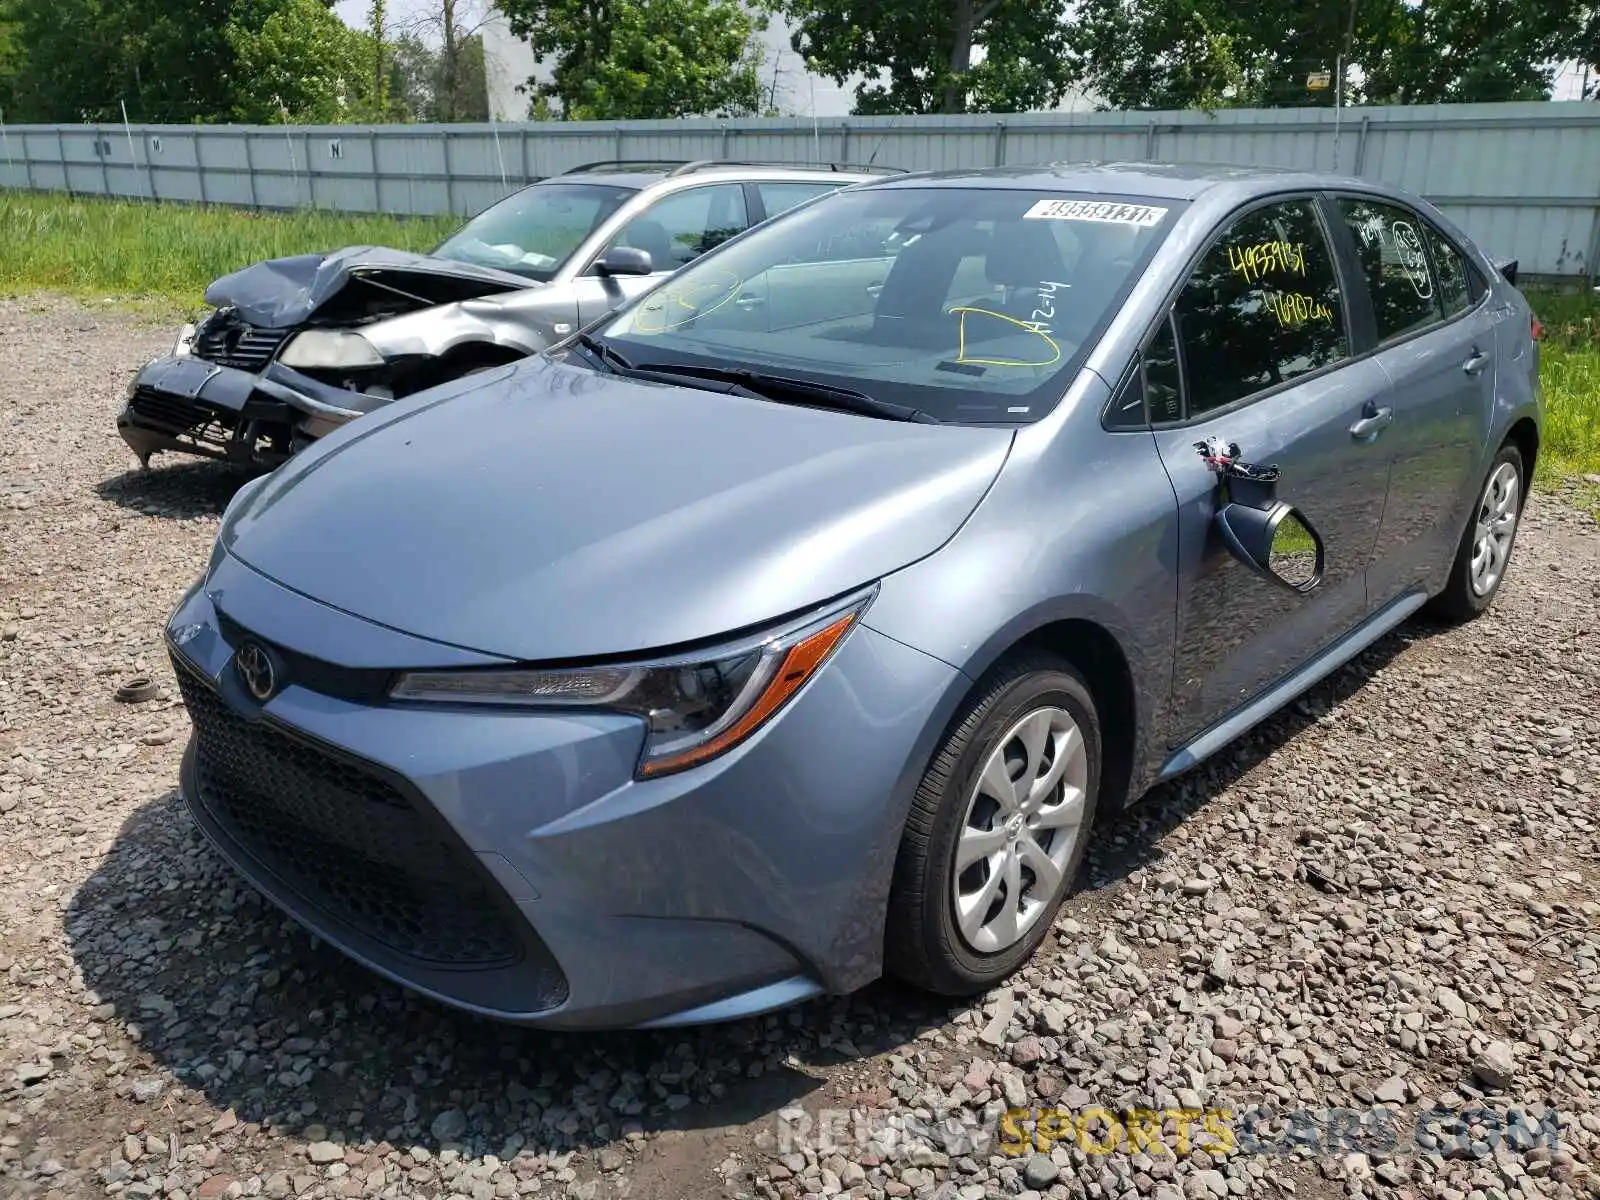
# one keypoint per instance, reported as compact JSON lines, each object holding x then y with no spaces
{"x":1143,"y":215}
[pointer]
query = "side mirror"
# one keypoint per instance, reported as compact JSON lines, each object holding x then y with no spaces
{"x":1508,"y":268}
{"x":623,"y":260}
{"x":1275,"y":541}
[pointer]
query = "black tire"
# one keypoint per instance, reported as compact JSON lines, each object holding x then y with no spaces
{"x":923,"y":945}
{"x":1459,"y":601}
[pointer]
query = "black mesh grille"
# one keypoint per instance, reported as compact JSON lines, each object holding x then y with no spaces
{"x":232,"y":343}
{"x":175,"y":415}
{"x":344,"y":839}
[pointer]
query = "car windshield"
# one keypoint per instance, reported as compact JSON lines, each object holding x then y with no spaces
{"x":532,"y":232}
{"x":970,"y":305}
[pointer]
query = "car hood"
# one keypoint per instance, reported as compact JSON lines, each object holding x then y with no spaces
{"x":555,"y":513}
{"x":283,"y":292}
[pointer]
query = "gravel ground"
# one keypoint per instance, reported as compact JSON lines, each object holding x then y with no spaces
{"x":1384,"y":897}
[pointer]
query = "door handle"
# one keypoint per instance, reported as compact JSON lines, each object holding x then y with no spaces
{"x":875,"y":289}
{"x":1475,"y":364}
{"x":1372,"y":424}
{"x":748,"y":302}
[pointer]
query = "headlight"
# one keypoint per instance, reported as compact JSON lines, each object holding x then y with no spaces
{"x":183,"y":344}
{"x":329,"y":348}
{"x":696,"y":706}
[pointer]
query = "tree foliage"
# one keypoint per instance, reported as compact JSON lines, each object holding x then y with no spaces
{"x":917,"y":56}
{"x":1207,"y":53}
{"x":301,"y":64}
{"x":632,"y":59}
{"x":428,"y":90}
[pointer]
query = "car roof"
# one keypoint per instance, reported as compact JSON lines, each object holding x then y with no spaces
{"x":1170,"y":181}
{"x":642,"y":173}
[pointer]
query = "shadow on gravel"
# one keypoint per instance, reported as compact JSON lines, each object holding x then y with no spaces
{"x":184,"y":489}
{"x":247,"y":1009}
{"x":1131,"y":839}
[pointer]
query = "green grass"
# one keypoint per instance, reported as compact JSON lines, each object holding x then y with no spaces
{"x":160,"y":257}
{"x":1569,"y":365}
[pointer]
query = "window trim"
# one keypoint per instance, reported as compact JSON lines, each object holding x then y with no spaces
{"x":1166,"y":312}
{"x":1400,"y":339}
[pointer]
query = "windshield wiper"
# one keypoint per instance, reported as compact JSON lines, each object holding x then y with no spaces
{"x":607,"y":356}
{"x":785,"y":389}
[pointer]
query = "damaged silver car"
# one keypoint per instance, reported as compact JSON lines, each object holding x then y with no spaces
{"x":296,"y":347}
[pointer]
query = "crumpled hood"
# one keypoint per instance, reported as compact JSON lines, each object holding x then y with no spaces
{"x":283,"y":292}
{"x":555,"y":513}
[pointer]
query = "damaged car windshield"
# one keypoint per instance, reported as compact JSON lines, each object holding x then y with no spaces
{"x":533,"y":231}
{"x":967,"y":305}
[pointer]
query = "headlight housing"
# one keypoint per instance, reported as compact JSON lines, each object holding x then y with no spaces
{"x":696,"y":706}
{"x":329,"y":349}
{"x":183,"y":344}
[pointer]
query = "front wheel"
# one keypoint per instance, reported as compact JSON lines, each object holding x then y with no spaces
{"x":1485,"y":550}
{"x":997,"y":830}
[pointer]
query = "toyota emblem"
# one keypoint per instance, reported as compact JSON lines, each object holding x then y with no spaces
{"x":255,"y":667}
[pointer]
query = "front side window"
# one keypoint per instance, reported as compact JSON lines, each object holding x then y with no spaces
{"x":1262,"y":307}
{"x":681,"y":227}
{"x":532,"y":232}
{"x":1395,"y":264}
{"x":969,"y":304}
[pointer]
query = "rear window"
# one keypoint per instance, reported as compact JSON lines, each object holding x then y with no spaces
{"x":972,"y":305}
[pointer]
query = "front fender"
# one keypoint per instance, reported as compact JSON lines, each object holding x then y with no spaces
{"x":436,"y":332}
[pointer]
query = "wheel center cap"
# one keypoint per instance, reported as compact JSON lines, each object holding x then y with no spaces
{"x":1014,"y":826}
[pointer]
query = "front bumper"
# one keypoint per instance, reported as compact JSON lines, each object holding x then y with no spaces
{"x":235,"y":415}
{"x":507,"y":862}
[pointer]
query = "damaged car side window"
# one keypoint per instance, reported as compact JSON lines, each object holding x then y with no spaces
{"x":532,"y":232}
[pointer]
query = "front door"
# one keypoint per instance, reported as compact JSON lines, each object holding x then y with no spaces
{"x":1257,"y":352}
{"x":674,"y":231}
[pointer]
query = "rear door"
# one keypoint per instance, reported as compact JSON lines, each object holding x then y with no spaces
{"x":1436,"y":343}
{"x":1257,"y":351}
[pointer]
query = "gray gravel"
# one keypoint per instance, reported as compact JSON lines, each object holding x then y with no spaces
{"x":1385,"y":896}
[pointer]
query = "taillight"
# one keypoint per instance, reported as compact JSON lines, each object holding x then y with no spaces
{"x":1538,"y":330}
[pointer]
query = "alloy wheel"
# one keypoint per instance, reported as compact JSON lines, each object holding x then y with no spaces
{"x":1496,"y":526}
{"x":1022,"y":823}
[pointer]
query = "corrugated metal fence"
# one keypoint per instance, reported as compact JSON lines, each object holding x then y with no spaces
{"x":1524,"y":179}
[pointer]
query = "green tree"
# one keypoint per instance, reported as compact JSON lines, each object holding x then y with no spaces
{"x":640,"y":59}
{"x":301,"y":64}
{"x":428,"y":91}
{"x":917,"y":56}
{"x":1205,"y":53}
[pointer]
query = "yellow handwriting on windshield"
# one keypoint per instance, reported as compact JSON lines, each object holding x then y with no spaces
{"x":1049,"y":354}
{"x":675,"y":305}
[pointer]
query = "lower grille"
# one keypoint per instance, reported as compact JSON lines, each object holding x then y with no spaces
{"x":346,"y":840}
{"x":175,"y":415}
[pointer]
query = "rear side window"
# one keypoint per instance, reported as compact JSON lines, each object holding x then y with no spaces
{"x":1456,"y":289}
{"x":1389,"y":246}
{"x":1262,"y":307}
{"x":781,"y":197}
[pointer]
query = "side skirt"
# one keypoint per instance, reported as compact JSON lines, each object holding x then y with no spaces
{"x":1270,"y":701}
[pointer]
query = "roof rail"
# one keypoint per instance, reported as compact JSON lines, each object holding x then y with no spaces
{"x":610,"y":164}
{"x":675,"y":168}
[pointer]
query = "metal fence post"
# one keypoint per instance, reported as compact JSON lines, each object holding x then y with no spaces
{"x":250,"y":170}
{"x":999,"y":143}
{"x":1150,"y":143}
{"x":377,"y":176}
{"x":844,"y":141}
{"x":449,"y":175}
{"x":311,"y":174}
{"x":199,"y":167}
{"x":105,"y":167}
{"x":1361,"y":145}
{"x":527,"y":171}
{"x":61,"y":153}
{"x":149,"y":166}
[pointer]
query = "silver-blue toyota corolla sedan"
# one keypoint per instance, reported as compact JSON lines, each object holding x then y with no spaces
{"x":794,"y":624}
